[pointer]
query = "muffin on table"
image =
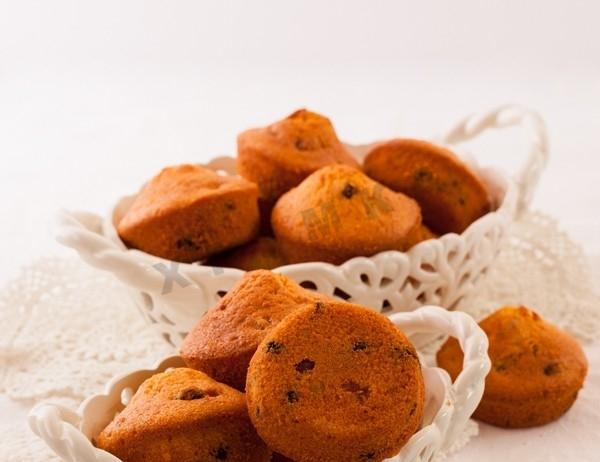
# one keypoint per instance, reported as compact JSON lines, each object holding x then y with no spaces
{"x":338,"y":213}
{"x":450,"y":194}
{"x":334,"y":382}
{"x":262,"y":253}
{"x":279,"y":156}
{"x":183,"y":415}
{"x":226,"y":337}
{"x":537,"y":369}
{"x":188,"y":213}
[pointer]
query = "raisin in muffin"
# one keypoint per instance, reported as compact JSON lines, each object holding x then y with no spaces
{"x":187,"y":213}
{"x":335,"y":382}
{"x":537,"y":369}
{"x":183,"y":415}
{"x":338,"y":213}
{"x":262,"y":253}
{"x":281,"y":155}
{"x":226,"y":337}
{"x":450,"y":194}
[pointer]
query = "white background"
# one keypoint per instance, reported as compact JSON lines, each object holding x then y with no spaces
{"x":96,"y":97}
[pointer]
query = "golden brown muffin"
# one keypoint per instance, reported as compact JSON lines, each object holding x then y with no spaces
{"x":423,"y":233}
{"x":451,"y":196}
{"x":537,"y":369}
{"x":279,"y":156}
{"x":262,"y":253}
{"x":227,"y":336}
{"x":183,"y":415}
{"x":279,"y":458}
{"x":335,"y":382}
{"x":187,"y":213}
{"x":338,"y":213}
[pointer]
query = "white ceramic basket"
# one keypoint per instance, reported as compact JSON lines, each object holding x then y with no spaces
{"x":448,"y":405}
{"x":173,"y":296}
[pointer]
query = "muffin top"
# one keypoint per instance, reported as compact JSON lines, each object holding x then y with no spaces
{"x":340,"y":209}
{"x":178,"y":187}
{"x":449,"y":192}
{"x":529,"y":356}
{"x":335,"y":372}
{"x":227,"y":336}
{"x":167,"y":401}
{"x":304,"y":140}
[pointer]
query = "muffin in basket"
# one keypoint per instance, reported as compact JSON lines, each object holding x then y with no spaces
{"x":187,"y":213}
{"x":537,"y":369}
{"x":335,"y":382}
{"x":450,"y":194}
{"x":226,"y":337}
{"x":262,"y":253}
{"x":279,"y":156}
{"x":338,"y":213}
{"x":183,"y":415}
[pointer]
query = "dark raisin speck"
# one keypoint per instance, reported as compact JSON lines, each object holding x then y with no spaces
{"x":422,"y":175}
{"x":368,"y":455}
{"x":413,"y":409}
{"x":305,"y":365}
{"x":462,"y":200}
{"x":230,"y":205}
{"x":274,"y":347}
{"x":301,"y":145}
{"x":361,"y":393}
{"x":190,"y":394}
{"x":292,"y":396}
{"x":220,"y":453}
{"x":319,"y":307}
{"x":500,"y":367}
{"x":551,"y":369}
{"x":404,"y":352}
{"x":186,"y":243}
{"x":348,"y":191}
{"x":359,"y":346}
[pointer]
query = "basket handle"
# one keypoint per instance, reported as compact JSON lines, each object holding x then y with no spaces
{"x":58,"y":427}
{"x":503,"y":117}
{"x":468,"y":387}
{"x":82,"y":232}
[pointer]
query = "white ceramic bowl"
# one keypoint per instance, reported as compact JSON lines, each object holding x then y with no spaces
{"x":173,"y":296}
{"x":448,"y":405}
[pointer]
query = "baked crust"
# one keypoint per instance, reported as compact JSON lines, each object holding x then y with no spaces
{"x":338,"y":213}
{"x":341,"y":380}
{"x":450,"y":194}
{"x":537,"y":369}
{"x":226,"y":337}
{"x":279,"y":156}
{"x":183,"y":415}
{"x":187,"y":213}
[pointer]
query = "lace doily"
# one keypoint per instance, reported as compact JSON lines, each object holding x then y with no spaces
{"x":67,"y":329}
{"x":541,"y":268}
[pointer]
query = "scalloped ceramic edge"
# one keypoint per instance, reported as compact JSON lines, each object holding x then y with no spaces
{"x":173,"y":296}
{"x":448,"y":406}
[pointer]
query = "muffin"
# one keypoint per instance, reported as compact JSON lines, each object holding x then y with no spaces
{"x":279,"y":156}
{"x":183,"y":415}
{"x":423,"y":233}
{"x":335,"y":382}
{"x":537,"y":369}
{"x":450,"y":194}
{"x":338,"y":213}
{"x":187,"y":213}
{"x":262,"y":253}
{"x":226,"y":337}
